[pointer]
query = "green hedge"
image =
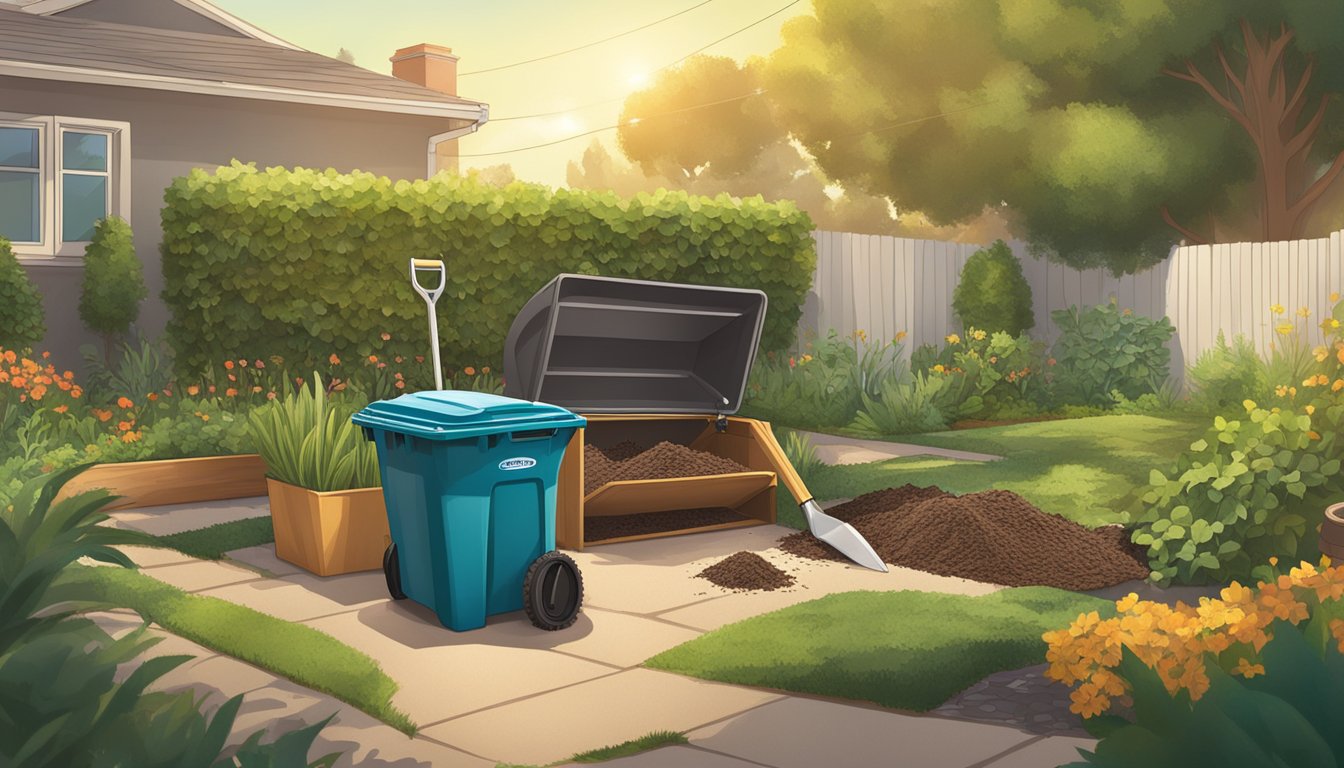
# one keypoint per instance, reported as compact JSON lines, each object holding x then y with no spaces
{"x":305,"y":264}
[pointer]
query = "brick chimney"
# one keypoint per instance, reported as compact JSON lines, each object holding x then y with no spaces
{"x":432,"y":66}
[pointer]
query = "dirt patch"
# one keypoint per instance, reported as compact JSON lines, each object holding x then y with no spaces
{"x":625,"y":461}
{"x":746,"y":571}
{"x":604,"y":527}
{"x":992,"y":536}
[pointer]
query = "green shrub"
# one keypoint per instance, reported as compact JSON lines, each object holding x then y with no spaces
{"x":904,"y":407}
{"x":21,"y":319}
{"x":304,"y":264}
{"x":815,"y":390}
{"x":986,"y":375}
{"x":1103,"y":350}
{"x":143,"y":367}
{"x":1238,"y":497}
{"x":1292,"y":715}
{"x":1222,"y":377}
{"x":114,"y":282}
{"x":308,"y":440}
{"x":801,"y":453}
{"x":993,"y":294}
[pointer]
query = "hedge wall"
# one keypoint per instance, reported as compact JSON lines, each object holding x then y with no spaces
{"x":306,"y":264}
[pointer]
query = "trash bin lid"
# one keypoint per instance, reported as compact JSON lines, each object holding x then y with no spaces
{"x":614,"y":345}
{"x":453,"y":414}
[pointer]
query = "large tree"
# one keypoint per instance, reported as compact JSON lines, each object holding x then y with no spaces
{"x":1108,"y":129}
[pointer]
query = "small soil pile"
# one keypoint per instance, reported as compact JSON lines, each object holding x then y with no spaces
{"x":993,"y":536}
{"x":604,"y":527}
{"x":746,"y":571}
{"x":624,"y":461}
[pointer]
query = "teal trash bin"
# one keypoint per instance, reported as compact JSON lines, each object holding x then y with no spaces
{"x":469,"y":479}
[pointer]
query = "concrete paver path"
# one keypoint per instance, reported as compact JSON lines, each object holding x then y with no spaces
{"x":512,"y":693}
{"x":834,"y":449}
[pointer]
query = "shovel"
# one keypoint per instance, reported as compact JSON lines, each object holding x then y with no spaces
{"x":837,"y":533}
{"x":431,"y":296}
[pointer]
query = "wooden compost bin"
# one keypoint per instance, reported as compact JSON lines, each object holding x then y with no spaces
{"x":647,"y":362}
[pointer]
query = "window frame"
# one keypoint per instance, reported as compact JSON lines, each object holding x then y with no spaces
{"x":53,"y":249}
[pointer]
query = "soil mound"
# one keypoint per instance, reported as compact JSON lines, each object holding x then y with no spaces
{"x":746,"y":571}
{"x":664,"y":460}
{"x":992,"y":536}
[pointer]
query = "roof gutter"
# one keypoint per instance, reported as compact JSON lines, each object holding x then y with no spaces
{"x":456,"y":133}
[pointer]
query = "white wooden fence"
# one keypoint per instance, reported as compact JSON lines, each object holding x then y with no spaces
{"x":884,"y":285}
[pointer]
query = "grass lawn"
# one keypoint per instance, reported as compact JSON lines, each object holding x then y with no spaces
{"x":624,"y":749}
{"x":905,"y":650}
{"x":211,"y":543}
{"x":302,"y":654}
{"x":1084,"y":469}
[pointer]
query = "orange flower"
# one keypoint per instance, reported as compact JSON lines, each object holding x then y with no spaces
{"x":211,"y":389}
{"x":10,"y":357}
{"x":46,"y":355}
{"x":419,"y":358}
{"x":123,"y":426}
{"x":387,"y":336}
{"x":256,"y":389}
{"x":130,"y":437}
{"x":400,"y":385}
{"x":485,"y":369}
{"x":242,"y":362}
{"x":399,"y":358}
{"x":61,"y":408}
{"x":230,"y":392}
{"x":193,"y":390}
{"x":101,"y":414}
{"x":470,"y":371}
{"x":124,"y":402}
{"x":152,"y":396}
{"x":38,"y":391}
{"x":261,"y":364}
{"x":232,"y":377}
{"x":270,"y":395}
{"x":373,"y":358}
{"x":228,"y":364}
{"x":334,"y":360}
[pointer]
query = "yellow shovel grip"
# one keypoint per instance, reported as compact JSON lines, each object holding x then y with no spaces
{"x":426,"y":264}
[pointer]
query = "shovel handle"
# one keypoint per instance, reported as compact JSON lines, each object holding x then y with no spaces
{"x":783,"y":467}
{"x":430,"y":295}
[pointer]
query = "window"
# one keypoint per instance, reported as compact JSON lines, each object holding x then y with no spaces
{"x":58,"y":177}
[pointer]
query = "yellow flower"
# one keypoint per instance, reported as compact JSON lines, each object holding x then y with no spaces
{"x":1277,"y":309}
{"x":1310,"y":409}
{"x":901,"y":335}
{"x":1303,"y":312}
{"x":953,"y":338}
{"x":938,"y":368}
{"x":1284,"y":328}
{"x":1338,"y":385}
{"x":1127,"y":602}
{"x":978,"y":335}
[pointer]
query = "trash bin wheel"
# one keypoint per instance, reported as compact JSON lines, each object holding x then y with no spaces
{"x":553,"y":591}
{"x":392,"y":572}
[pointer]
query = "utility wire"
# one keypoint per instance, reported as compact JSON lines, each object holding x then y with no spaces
{"x":637,"y":120}
{"x":633,"y":121}
{"x":669,"y":65}
{"x":586,"y":45}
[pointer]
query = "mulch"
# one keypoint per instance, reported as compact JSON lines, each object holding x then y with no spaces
{"x":746,"y":571}
{"x":627,"y":461}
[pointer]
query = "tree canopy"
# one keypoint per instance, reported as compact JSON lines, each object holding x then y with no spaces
{"x":1108,"y":129}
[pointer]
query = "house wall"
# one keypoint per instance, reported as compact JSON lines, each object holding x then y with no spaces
{"x":172,"y":133}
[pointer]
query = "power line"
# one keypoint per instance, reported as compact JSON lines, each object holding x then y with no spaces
{"x":634,"y":121}
{"x":669,"y":65}
{"x":758,"y":92}
{"x":586,"y":45}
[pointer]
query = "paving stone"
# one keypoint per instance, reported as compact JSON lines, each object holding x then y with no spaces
{"x":175,"y":518}
{"x":200,"y":575}
{"x":1048,"y":751}
{"x":804,"y":733}
{"x":674,"y":757}
{"x":443,"y":673}
{"x":153,"y":557}
{"x":262,"y":557}
{"x":838,"y":447}
{"x":597,"y":713}
{"x":603,"y":636}
{"x":303,"y":596}
{"x":222,"y":674}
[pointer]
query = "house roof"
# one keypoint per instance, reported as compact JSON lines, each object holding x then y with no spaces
{"x":202,"y":8}
{"x":79,"y":50}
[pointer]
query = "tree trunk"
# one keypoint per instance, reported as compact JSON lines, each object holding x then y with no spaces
{"x":1260,"y":101}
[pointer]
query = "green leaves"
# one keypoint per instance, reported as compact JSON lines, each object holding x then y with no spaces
{"x":114,"y":282}
{"x":1103,"y":350}
{"x":318,"y":264}
{"x":308,"y":441}
{"x":21,"y":319}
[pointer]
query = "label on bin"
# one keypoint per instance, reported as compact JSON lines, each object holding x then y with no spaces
{"x":519,"y":462}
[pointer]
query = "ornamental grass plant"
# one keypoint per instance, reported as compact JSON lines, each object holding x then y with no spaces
{"x":307,"y":439}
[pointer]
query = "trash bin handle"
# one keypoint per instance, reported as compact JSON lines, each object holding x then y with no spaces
{"x":532,"y":434}
{"x":430,"y":295}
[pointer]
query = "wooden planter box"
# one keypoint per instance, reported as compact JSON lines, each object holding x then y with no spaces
{"x":329,"y":533}
{"x":173,"y":481}
{"x":750,"y":494}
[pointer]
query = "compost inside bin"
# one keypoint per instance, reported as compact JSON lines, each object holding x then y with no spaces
{"x":992,"y":536}
{"x":746,"y":571}
{"x":628,"y":461}
{"x":605,"y":527}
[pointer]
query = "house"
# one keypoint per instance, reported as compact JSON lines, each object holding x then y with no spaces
{"x":104,"y":102}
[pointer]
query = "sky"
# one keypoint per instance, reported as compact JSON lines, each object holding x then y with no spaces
{"x":491,"y":33}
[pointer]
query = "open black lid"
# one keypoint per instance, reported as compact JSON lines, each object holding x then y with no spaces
{"x":613,"y":345}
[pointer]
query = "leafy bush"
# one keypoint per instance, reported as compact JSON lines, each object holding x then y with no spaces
{"x":908,"y":406}
{"x":1224,"y":376}
{"x":142,"y":368}
{"x":21,"y":320}
{"x":62,"y":705}
{"x":816,"y":389}
{"x":1104,"y":349}
{"x":993,"y":294}
{"x":308,"y":440}
{"x":801,"y":453}
{"x":986,"y":374}
{"x":1236,"y":498}
{"x":114,"y":282}
{"x":1234,"y":672}
{"x":1166,"y":399}
{"x":303,"y":264}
